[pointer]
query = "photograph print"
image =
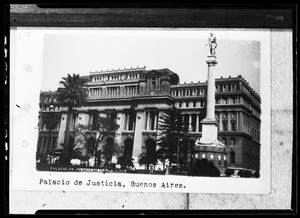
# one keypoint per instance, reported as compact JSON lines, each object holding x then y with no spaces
{"x":151,"y":102}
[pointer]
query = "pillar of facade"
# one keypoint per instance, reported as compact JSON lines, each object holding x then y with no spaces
{"x":62,"y":128}
{"x":190,"y":122}
{"x":137,"y":143}
{"x":127,"y":122}
{"x":155,"y":121}
{"x":83,"y":118}
{"x":148,"y":120}
{"x":220,"y":122}
{"x":197,"y":123}
{"x":229,"y":121}
{"x":121,"y":122}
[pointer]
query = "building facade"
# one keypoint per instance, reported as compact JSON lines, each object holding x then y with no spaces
{"x":136,"y":97}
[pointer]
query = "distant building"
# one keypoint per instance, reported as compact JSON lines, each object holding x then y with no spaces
{"x":135,"y":97}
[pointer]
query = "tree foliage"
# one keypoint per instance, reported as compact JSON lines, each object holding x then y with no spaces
{"x":50,"y":120}
{"x":106,"y":128}
{"x":125,"y":161}
{"x":72,"y":93}
{"x":170,"y":135}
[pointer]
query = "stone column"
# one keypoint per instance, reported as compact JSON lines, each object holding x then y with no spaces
{"x":83,"y":118}
{"x":211,"y":61}
{"x":155,"y":120}
{"x":127,"y":121}
{"x":137,"y":143}
{"x":190,"y":122}
{"x":121,"y":122}
{"x":197,"y":123}
{"x":62,"y":128}
{"x":148,"y":120}
{"x":210,"y":124}
{"x":229,"y":120}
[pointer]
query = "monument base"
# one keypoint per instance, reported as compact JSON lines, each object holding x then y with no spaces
{"x":216,"y":154}
{"x":209,"y":133}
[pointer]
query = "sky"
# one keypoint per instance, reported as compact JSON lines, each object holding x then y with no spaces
{"x":183,"y":51}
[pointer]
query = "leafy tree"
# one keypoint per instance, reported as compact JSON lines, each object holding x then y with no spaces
{"x":145,"y":159}
{"x":171,"y":133}
{"x":125,"y":161}
{"x":106,"y":128}
{"x":72,"y":93}
{"x":80,"y":149}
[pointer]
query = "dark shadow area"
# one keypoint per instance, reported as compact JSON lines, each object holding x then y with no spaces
{"x":204,"y":167}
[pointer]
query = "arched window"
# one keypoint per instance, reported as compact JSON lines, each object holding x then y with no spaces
{"x":232,"y":157}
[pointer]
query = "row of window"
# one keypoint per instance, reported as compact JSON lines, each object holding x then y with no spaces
{"x":114,"y":77}
{"x":192,"y":92}
{"x":226,"y":88}
{"x":185,"y":104}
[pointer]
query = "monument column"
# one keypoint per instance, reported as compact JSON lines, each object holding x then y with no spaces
{"x":210,"y":124}
{"x":212,"y":62}
{"x":208,"y":145}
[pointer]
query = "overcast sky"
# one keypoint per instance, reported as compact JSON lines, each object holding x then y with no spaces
{"x":183,"y":51}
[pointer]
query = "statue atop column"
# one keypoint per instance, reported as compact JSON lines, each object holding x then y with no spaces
{"x":212,"y":43}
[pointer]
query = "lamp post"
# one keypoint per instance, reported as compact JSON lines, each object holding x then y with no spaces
{"x":51,"y":107}
{"x":178,"y":147}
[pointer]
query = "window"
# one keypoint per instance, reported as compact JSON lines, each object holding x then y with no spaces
{"x":232,"y":157}
{"x":224,"y":126}
{"x":194,"y":120}
{"x":233,"y":141}
{"x":194,"y":103}
{"x":187,"y":104}
{"x":152,"y":120}
{"x":186,"y":120}
{"x":180,"y":104}
{"x":152,"y":84}
{"x":233,"y":126}
{"x":131,"y":121}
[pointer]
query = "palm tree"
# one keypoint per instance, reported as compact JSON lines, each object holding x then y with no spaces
{"x":72,"y":93}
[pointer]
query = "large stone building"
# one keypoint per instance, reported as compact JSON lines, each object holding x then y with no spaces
{"x":136,"y":97}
